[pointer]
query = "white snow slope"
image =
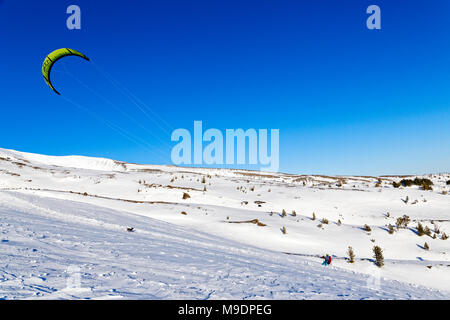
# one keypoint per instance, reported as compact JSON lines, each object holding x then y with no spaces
{"x":64,"y":220}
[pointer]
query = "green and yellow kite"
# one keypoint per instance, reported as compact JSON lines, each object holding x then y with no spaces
{"x":55,"y":56}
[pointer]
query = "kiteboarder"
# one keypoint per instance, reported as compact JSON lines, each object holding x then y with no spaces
{"x":327,"y":260}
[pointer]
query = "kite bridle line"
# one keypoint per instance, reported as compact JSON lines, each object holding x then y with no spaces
{"x":136,"y":101}
{"x":115,"y":106}
{"x":113,"y":126}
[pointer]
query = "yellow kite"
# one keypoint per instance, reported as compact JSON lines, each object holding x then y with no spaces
{"x":55,"y":56}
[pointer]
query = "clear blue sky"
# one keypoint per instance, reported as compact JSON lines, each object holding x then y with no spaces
{"x":347,"y":100}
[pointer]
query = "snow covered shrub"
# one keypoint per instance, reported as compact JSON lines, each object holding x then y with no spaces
{"x":426,"y":247}
{"x":313,"y":216}
{"x":367,"y":228}
{"x":283,"y":213}
{"x":402,"y":222}
{"x":339,"y":222}
{"x":351,"y":255}
{"x":186,"y":196}
{"x":283,"y":230}
{"x":396,"y":184}
{"x":427,"y":231}
{"x":426,"y":187}
{"x":324,"y":221}
{"x":378,"y":255}
{"x":390,"y":229}
{"x":294,"y":214}
{"x":416,"y":181}
{"x":444,"y":236}
{"x":423,"y":181}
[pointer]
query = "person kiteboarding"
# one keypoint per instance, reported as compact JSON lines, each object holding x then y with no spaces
{"x":327,"y":260}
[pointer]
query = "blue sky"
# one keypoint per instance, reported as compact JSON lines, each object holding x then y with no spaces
{"x":347,"y":100}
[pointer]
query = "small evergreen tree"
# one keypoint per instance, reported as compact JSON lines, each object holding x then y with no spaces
{"x":351,"y":255}
{"x":420,"y":230}
{"x":437,"y":229}
{"x":378,"y":255}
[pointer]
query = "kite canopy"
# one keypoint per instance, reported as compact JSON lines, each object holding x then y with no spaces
{"x":55,"y":56}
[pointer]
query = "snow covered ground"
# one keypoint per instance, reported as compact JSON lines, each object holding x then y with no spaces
{"x":64,"y":220}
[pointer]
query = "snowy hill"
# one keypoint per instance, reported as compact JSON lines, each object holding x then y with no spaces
{"x":213,"y":233}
